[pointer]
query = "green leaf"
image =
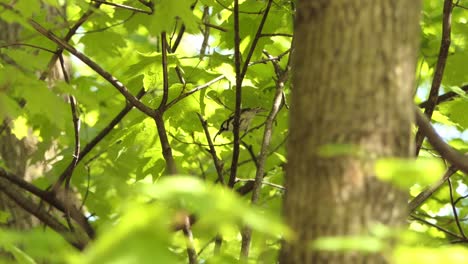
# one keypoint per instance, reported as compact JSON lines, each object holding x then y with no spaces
{"x":334,"y":150}
{"x":20,"y":127}
{"x":217,"y":207}
{"x":454,"y":110}
{"x":430,"y":255}
{"x":106,"y":43}
{"x":454,"y":73}
{"x":404,"y":173}
{"x":4,"y":216}
{"x":8,"y":107}
{"x":141,"y":236}
{"x":21,"y":256}
{"x":352,"y":243}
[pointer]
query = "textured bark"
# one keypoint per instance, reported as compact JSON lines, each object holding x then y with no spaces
{"x":354,"y":68}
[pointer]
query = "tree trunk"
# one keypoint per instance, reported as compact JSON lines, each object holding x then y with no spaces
{"x":353,"y":81}
{"x":16,"y":153}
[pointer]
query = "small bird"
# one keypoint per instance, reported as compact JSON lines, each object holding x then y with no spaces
{"x":246,"y":117}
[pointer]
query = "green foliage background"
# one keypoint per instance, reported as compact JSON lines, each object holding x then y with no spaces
{"x":129,"y":201}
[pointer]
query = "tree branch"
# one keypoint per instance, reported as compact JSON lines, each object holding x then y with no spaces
{"x":98,"y":69}
{"x":194,"y":90}
{"x":439,"y":70}
{"x":240,"y":74}
{"x":52,"y":200}
{"x":237,"y":111}
{"x":448,"y":232}
{"x":424,"y":195}
{"x":444,"y":97}
{"x":127,"y":7}
{"x":454,"y":210}
{"x":164,"y":47}
{"x":67,"y":38}
{"x":171,"y":167}
{"x":217,"y":162}
{"x":447,"y":152}
{"x":41,"y":214}
{"x":282,"y":76}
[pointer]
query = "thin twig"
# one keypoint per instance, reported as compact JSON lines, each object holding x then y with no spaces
{"x":215,"y":27}
{"x":206,"y":32}
{"x":27,"y":45}
{"x":191,"y":252}
{"x":66,"y":177}
{"x":238,"y":11}
{"x":206,"y":246}
{"x":108,"y":128}
{"x":454,"y":209}
{"x":178,"y":39}
{"x":277,"y":35}
{"x":76,"y":126}
{"x":444,"y":97}
{"x":276,"y":186}
{"x":165,"y":95}
{"x":218,"y":164}
{"x":460,"y":198}
{"x":88,"y":180}
{"x":108,"y":27}
{"x":194,"y":90}
{"x":127,"y":7}
{"x":76,"y":155}
{"x":437,"y":227}
{"x":100,"y":136}
{"x":277,"y":58}
{"x":250,"y":150}
{"x":424,"y":195}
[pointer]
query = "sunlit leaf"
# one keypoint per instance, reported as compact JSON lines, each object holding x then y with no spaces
{"x":406,"y":172}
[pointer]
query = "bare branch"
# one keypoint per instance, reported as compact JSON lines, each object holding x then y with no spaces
{"x":217,"y":162}
{"x":27,"y":45}
{"x":276,"y":186}
{"x":194,"y":90}
{"x":447,"y":152}
{"x":424,"y":195}
{"x":444,"y":97}
{"x":240,"y":74}
{"x":238,"y":104}
{"x":448,"y":232}
{"x":277,"y":35}
{"x":282,"y":76}
{"x":41,"y":214}
{"x":454,"y":209}
{"x":439,"y":70}
{"x":98,"y":69}
{"x":127,"y":7}
{"x":52,"y":200}
{"x":68,"y":36}
{"x":164,"y":48}
{"x":191,"y":252}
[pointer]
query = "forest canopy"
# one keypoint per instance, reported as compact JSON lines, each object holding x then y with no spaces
{"x":108,"y":116}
